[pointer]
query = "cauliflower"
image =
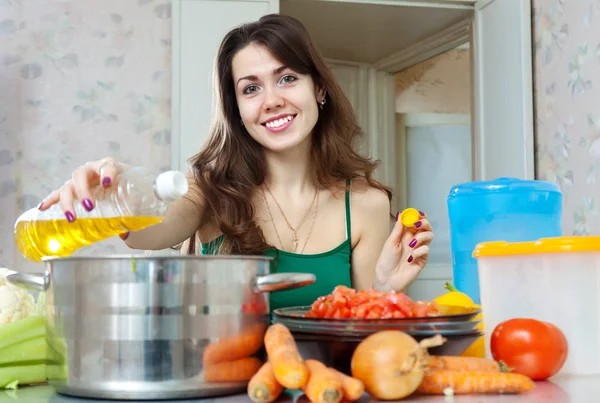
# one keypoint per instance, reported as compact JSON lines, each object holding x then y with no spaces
{"x":15,"y":302}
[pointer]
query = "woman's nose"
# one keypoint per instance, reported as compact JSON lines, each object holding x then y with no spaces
{"x":272,"y":99}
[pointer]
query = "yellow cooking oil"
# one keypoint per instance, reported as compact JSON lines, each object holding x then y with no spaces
{"x":37,"y":239}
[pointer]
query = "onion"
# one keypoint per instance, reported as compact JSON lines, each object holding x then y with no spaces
{"x":391,"y":364}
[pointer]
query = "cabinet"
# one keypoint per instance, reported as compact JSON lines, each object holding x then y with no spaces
{"x":366,"y":42}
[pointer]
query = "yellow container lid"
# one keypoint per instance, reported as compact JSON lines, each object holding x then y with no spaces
{"x":409,"y":216}
{"x":544,"y":245}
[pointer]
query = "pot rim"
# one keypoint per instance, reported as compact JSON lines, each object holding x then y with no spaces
{"x":51,"y":259}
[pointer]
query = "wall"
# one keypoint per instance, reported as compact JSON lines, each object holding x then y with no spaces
{"x":438,"y":85}
{"x":79,"y":80}
{"x":567,"y":111}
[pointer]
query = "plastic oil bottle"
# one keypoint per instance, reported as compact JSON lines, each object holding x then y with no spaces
{"x":137,"y":199}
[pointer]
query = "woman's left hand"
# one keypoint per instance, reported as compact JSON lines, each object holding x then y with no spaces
{"x":404,"y":255}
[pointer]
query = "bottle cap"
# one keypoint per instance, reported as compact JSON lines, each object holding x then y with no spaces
{"x":171,"y":185}
{"x":409,"y":217}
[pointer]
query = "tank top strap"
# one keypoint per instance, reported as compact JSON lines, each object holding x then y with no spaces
{"x":348,"y":226}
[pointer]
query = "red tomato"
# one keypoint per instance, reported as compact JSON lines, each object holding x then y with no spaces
{"x":531,"y":347}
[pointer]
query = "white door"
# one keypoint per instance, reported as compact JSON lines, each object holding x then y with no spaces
{"x":198,"y":29}
{"x":503,"y":90}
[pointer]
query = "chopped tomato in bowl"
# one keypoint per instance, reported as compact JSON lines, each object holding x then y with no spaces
{"x":347,"y":303}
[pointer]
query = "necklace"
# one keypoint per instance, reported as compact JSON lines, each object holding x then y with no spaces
{"x":294,"y":230}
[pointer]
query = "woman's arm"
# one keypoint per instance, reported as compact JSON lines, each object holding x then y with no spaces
{"x":382,"y":260}
{"x":370,"y":208}
{"x":182,"y":220}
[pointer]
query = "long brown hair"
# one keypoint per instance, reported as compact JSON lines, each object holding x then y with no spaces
{"x":232,"y":165}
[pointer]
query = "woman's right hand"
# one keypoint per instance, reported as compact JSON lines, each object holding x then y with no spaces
{"x":79,"y":186}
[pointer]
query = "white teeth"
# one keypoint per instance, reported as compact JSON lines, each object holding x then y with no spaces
{"x":279,"y":122}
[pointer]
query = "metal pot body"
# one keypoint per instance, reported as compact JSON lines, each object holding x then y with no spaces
{"x":136,"y":327}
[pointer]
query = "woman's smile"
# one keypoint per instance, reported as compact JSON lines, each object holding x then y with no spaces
{"x":279,"y":123}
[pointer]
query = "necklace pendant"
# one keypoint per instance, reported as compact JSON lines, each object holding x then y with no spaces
{"x":294,"y":242}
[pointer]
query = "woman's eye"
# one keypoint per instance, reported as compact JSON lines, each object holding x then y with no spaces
{"x":287,"y":79}
{"x":250,"y":89}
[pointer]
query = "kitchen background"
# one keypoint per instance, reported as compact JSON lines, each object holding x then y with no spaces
{"x":84,"y":80}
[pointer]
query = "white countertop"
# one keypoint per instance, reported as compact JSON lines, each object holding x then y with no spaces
{"x":561,"y":389}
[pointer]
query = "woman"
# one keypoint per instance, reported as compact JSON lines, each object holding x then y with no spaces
{"x":279,"y":175}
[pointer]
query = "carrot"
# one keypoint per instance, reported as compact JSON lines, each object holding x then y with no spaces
{"x":472,"y":382}
{"x":235,"y":371}
{"x":324,"y":385}
{"x":263,"y":387}
{"x":453,"y":363}
{"x":288,"y":366}
{"x":243,"y":345}
{"x":353,"y":388}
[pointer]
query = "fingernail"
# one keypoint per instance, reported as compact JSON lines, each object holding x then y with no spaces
{"x":70,"y":217}
{"x":418,"y":224}
{"x":124,"y":236}
{"x":412,"y":243}
{"x":422,"y":214}
{"x":397,"y":215}
{"x":106,"y":181}
{"x":40,"y":205}
{"x":87,"y":203}
{"x":410,"y":259}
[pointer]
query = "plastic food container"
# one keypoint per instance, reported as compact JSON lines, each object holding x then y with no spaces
{"x":504,"y":209}
{"x":555,"y":280}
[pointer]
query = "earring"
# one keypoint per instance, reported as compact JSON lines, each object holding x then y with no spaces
{"x":322,"y":103}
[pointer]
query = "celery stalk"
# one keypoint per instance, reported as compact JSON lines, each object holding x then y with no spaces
{"x":23,"y":374}
{"x":22,"y":329}
{"x":29,"y":350}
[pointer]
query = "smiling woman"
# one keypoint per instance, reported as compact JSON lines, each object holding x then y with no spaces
{"x":280,"y":174}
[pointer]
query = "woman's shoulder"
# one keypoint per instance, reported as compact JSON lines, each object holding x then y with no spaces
{"x":367,"y":198}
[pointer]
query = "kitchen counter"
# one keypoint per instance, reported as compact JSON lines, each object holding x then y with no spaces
{"x":562,"y":389}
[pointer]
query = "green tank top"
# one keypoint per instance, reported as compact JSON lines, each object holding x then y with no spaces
{"x":331,"y":268}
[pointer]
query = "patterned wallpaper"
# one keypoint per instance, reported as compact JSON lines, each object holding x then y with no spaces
{"x":79,"y":80}
{"x":437,"y":85}
{"x":567,"y":121}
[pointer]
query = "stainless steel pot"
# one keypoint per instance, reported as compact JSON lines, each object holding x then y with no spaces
{"x":136,"y":327}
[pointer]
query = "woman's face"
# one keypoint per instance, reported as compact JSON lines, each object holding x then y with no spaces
{"x":278,"y":106}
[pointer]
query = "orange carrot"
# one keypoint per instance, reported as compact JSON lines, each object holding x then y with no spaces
{"x":473,"y":382}
{"x":453,"y":363}
{"x":288,"y":366}
{"x":243,"y":345}
{"x":235,"y":371}
{"x":263,"y":387}
{"x":353,"y":388}
{"x":324,"y":385}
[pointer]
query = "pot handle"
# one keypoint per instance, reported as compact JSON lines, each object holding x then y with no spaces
{"x":34,"y":282}
{"x":283,"y":281}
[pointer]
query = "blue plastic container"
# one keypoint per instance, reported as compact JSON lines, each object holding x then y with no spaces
{"x":504,"y":209}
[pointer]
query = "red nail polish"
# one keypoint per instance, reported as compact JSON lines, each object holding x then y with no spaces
{"x":124,"y":235}
{"x":397,"y":215}
{"x":106,"y":181}
{"x":412,"y":243}
{"x":410,"y":259}
{"x":418,"y":224}
{"x":422,"y":214}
